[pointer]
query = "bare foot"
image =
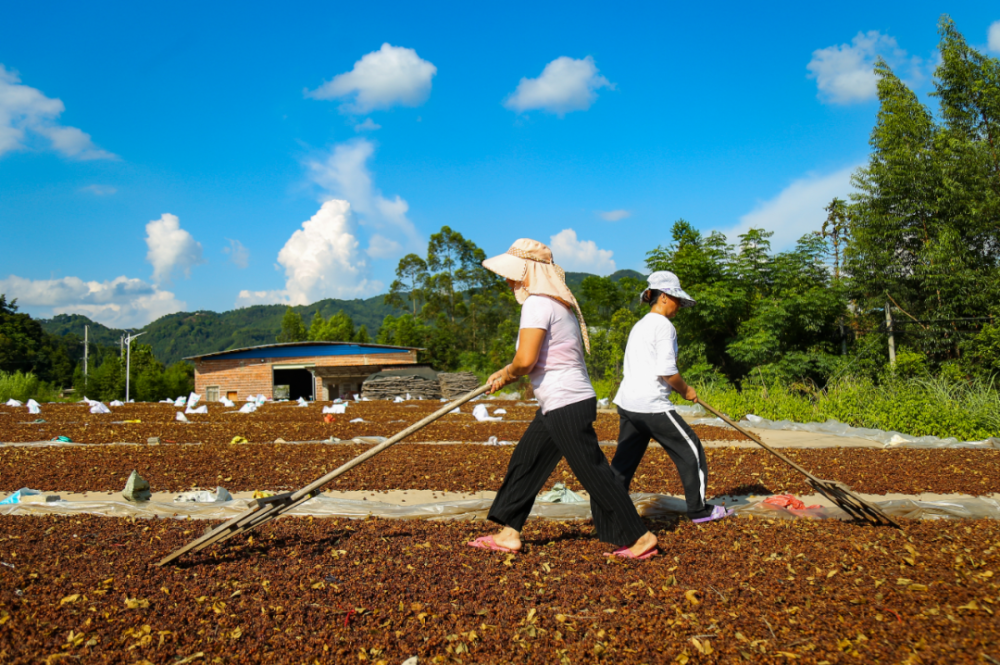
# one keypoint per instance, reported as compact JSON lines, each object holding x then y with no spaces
{"x":643,"y":545}
{"x":510,"y":539}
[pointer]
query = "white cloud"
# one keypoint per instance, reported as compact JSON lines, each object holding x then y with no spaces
{"x":391,"y":76}
{"x":580,"y":255}
{"x":994,"y":37}
{"x":380,"y":247}
{"x":119,"y":303}
{"x":99,"y":190}
{"x":26,"y":115}
{"x":171,"y":247}
{"x":565,"y":85}
{"x":367,"y":126}
{"x":845,"y":74}
{"x":238,"y":254}
{"x":321,"y":260}
{"x":344,"y":174}
{"x":613,"y":215}
{"x":797,"y":210}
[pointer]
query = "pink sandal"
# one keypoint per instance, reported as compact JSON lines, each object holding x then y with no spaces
{"x":487,"y":543}
{"x":626,"y":553}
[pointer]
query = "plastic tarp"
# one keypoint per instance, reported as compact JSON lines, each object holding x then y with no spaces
{"x":98,"y":407}
{"x":180,"y":417}
{"x":14,"y":402}
{"x":197,"y":409}
{"x":648,"y":505}
{"x":226,"y":403}
{"x":335,"y":408}
{"x":249,"y":407}
{"x":482,"y":415}
{"x":117,"y":402}
{"x":204,"y":496}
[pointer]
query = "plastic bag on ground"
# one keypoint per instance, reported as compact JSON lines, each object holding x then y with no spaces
{"x":14,"y":402}
{"x":204,"y":496}
{"x":302,"y":402}
{"x":335,"y":408}
{"x":239,"y":439}
{"x":358,"y":420}
{"x":249,"y":407}
{"x":180,"y":401}
{"x":180,"y":417}
{"x":226,"y":402}
{"x":398,"y":399}
{"x":500,"y":412}
{"x":602,"y":403}
{"x":16,"y":496}
{"x":136,"y":488}
{"x":117,"y":402}
{"x":482,"y":415}
{"x":788,"y":501}
{"x":200,"y":409}
{"x":561,"y":494}
{"x":193,"y":399}
{"x":99,"y":407}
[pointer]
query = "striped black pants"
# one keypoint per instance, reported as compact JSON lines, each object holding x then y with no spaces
{"x":677,"y":438}
{"x":567,"y":432}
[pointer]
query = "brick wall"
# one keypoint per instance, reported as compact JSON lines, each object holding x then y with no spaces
{"x":247,"y":377}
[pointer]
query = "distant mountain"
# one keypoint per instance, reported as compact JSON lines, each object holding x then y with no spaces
{"x":185,"y":334}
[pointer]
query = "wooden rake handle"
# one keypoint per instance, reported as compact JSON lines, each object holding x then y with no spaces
{"x":261,"y":511}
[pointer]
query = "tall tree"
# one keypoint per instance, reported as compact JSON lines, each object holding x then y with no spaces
{"x":411,"y":277}
{"x":292,"y":327}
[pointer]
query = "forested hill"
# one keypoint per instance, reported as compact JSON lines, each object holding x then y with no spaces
{"x":185,"y":334}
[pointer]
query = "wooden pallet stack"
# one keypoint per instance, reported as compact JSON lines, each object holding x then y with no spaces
{"x":457,"y":383}
{"x":390,"y":387}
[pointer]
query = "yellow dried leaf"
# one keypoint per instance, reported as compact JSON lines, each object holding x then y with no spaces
{"x":787,"y":654}
{"x":319,"y":585}
{"x":219,"y":607}
{"x":902,"y":581}
{"x":136,"y":603}
{"x":72,"y":598}
{"x":692,"y":597}
{"x":917,"y":587}
{"x":236,"y":633}
{"x":972,"y":606}
{"x":704,"y":648}
{"x":832,"y":573}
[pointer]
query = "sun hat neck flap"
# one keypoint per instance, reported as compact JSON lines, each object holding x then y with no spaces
{"x":529,"y":263}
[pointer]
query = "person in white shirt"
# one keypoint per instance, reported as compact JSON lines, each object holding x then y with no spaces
{"x":644,"y":407}
{"x":550,"y":350}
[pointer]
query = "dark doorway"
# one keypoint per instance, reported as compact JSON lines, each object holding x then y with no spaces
{"x":299,"y":381}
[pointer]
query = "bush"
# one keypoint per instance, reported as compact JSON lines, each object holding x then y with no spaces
{"x":917,"y":406}
{"x":22,"y":387}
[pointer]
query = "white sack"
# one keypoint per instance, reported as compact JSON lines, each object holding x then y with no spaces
{"x":99,"y":408}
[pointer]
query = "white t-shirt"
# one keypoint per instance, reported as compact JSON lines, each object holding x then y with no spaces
{"x":651,"y":353}
{"x":559,"y":376}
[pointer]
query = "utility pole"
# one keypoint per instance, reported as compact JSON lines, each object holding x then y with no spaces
{"x":86,"y":348}
{"x":128,"y":362}
{"x":892,"y":339}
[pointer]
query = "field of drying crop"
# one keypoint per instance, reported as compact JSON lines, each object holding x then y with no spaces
{"x":327,"y":591}
{"x":135,"y":423}
{"x":304,"y":590}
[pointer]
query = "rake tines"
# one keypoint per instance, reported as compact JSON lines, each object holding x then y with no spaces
{"x":836,"y":491}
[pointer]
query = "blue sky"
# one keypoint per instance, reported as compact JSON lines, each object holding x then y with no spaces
{"x":209,"y":156}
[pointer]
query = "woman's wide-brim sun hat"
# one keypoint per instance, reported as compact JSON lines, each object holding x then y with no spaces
{"x":513,"y":264}
{"x":667,"y":282}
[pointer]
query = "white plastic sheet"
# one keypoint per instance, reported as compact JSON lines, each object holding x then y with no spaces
{"x":482,"y":415}
{"x":180,"y":417}
{"x":249,"y":407}
{"x":226,"y":403}
{"x":204,"y":496}
{"x":98,"y":407}
{"x":198,"y":409}
{"x":193,"y":399}
{"x":116,"y":402}
{"x":358,"y":420}
{"x":335,"y":408}
{"x":180,"y":401}
{"x":500,"y":412}
{"x":14,"y":402}
{"x":398,"y":399}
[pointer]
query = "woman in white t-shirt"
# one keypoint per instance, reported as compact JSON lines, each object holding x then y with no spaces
{"x":550,"y":350}
{"x":644,"y":407}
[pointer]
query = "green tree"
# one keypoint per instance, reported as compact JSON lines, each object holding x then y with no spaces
{"x":411,"y":277}
{"x":292,"y":327}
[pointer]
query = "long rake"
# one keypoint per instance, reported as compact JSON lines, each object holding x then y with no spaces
{"x":836,"y":491}
{"x":261,"y":511}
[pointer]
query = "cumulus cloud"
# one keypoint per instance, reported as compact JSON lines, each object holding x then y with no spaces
{"x":171,"y":247}
{"x":321,"y":260}
{"x":344,"y":174}
{"x":845,"y":74}
{"x":119,"y":303}
{"x":99,"y":190}
{"x":796,"y":210}
{"x":238,"y":254}
{"x":391,"y":76}
{"x":565,"y":85}
{"x":613,"y":215}
{"x":572,"y":253}
{"x":28,"y":117}
{"x":994,"y":37}
{"x":367,"y":126}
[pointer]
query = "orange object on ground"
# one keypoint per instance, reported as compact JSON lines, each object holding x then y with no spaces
{"x":788,"y":501}
{"x":328,"y":418}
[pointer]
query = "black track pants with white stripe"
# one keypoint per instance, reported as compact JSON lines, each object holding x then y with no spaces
{"x":680,"y":442}
{"x":567,"y":432}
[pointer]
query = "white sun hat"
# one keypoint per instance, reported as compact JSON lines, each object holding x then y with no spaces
{"x":667,"y":282}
